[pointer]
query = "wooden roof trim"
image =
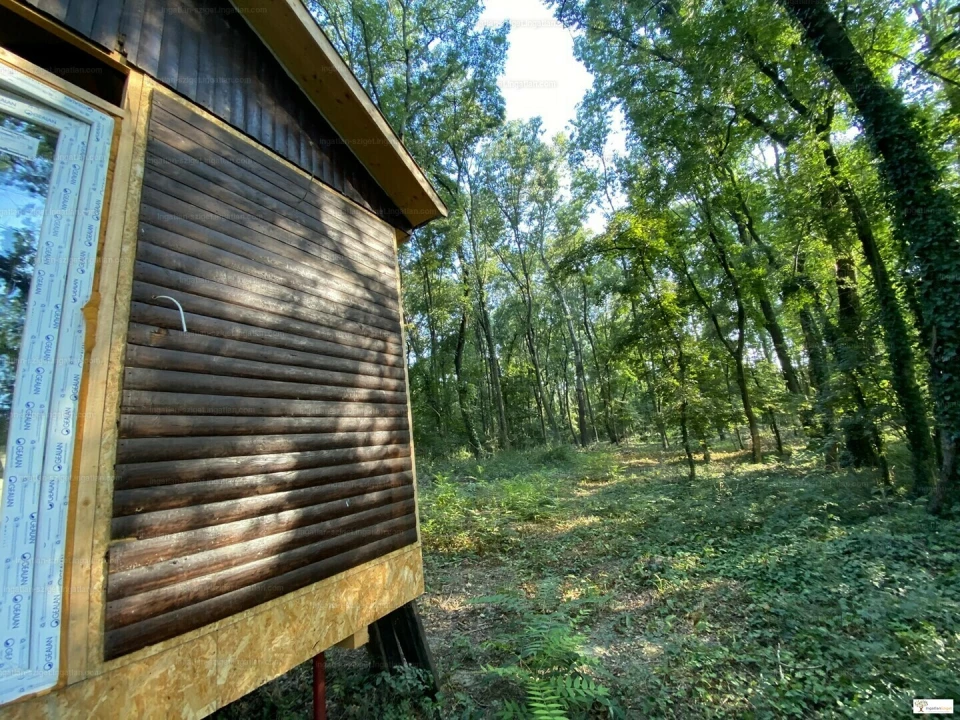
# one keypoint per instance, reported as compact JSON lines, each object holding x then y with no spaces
{"x":293,"y":36}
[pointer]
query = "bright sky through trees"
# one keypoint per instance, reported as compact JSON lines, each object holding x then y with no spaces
{"x":542,"y":77}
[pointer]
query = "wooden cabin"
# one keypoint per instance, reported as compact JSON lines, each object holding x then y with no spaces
{"x":208,"y":473}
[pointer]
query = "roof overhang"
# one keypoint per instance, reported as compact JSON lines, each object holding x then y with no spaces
{"x":298,"y":43}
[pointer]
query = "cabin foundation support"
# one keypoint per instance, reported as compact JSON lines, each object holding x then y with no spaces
{"x":319,"y":687}
{"x":398,"y":638}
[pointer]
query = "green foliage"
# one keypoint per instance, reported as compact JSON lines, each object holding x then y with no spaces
{"x":400,"y":694}
{"x":784,"y":592}
{"x":549,"y":665}
{"x":753,"y":592}
{"x":476,"y":506}
{"x":754,"y":277}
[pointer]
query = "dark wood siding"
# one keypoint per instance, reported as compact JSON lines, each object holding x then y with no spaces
{"x":268,"y":447}
{"x":205,"y":50}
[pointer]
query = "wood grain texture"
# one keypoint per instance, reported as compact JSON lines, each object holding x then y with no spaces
{"x":208,"y":53}
{"x":137,"y":500}
{"x":269,"y":446}
{"x":158,"y":575}
{"x":182,"y":620}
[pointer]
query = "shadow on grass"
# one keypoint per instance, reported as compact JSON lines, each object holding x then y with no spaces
{"x":764,"y":591}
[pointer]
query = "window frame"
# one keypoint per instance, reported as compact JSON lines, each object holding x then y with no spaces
{"x":37,"y":666}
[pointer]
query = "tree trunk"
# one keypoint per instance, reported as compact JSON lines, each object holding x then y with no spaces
{"x":747,"y":233}
{"x":776,"y":431}
{"x":486,"y":403}
{"x":650,"y":375}
{"x":462,"y":394}
{"x":579,"y":374}
{"x":819,"y":380}
{"x":493,"y":368}
{"x":604,"y":377}
{"x":737,"y":352}
{"x":926,"y":216}
{"x":895,"y":333}
{"x":434,"y":381}
{"x":565,"y":404}
{"x":755,"y":447}
{"x":684,"y":424}
{"x":773,"y":328}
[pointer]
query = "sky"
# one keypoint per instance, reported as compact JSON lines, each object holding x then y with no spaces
{"x":542,"y":77}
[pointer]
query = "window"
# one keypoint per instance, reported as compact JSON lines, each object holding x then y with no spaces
{"x":54,"y":153}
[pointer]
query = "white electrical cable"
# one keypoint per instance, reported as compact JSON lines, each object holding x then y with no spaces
{"x":183,"y":320}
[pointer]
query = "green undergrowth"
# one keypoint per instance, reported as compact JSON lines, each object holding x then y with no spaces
{"x":604,"y":584}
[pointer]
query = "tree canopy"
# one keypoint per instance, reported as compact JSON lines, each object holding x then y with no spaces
{"x":775,"y":255}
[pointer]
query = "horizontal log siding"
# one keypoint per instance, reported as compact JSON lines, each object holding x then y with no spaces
{"x":268,"y":447}
{"x":208,"y":53}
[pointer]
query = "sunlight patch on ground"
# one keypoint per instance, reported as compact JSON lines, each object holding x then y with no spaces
{"x":582,"y":521}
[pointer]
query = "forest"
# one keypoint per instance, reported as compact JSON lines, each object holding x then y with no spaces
{"x":778,"y":254}
{"x":703,"y":392}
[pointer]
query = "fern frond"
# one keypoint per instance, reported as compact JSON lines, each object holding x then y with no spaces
{"x":544,"y":703}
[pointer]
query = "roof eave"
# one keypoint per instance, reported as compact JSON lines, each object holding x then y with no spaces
{"x":293,"y":36}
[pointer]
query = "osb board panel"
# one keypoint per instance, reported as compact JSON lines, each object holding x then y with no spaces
{"x":196,"y":677}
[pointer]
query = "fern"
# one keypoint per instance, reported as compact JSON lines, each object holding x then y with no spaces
{"x":550,"y":668}
{"x":543,"y":701}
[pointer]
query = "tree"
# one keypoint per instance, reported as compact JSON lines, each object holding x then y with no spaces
{"x":925,"y":214}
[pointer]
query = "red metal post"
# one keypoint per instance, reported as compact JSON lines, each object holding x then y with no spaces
{"x":319,"y":687}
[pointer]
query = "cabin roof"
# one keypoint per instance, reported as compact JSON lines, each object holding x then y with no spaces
{"x":293,"y":36}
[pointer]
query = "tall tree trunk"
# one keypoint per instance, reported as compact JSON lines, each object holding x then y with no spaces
{"x":603,"y":371}
{"x":462,"y":394}
{"x":926,"y":215}
{"x":543,"y":400}
{"x":483,"y":313}
{"x":493,"y":368}
{"x":544,"y":407}
{"x":486,"y":403}
{"x":819,"y":380}
{"x":755,"y":447}
{"x":593,"y":419}
{"x":776,"y":431}
{"x":684,"y":421}
{"x":748,"y":234}
{"x":736,"y":351}
{"x":896,"y":335}
{"x":649,"y":370}
{"x":539,"y":400}
{"x":850,"y":345}
{"x":851,"y":355}
{"x":434,"y":381}
{"x":565,"y":403}
{"x":579,"y":374}
{"x":731,"y":396}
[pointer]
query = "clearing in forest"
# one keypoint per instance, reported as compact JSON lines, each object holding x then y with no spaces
{"x":606,"y":584}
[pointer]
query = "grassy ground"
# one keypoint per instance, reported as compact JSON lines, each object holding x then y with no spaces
{"x":605,"y":584}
